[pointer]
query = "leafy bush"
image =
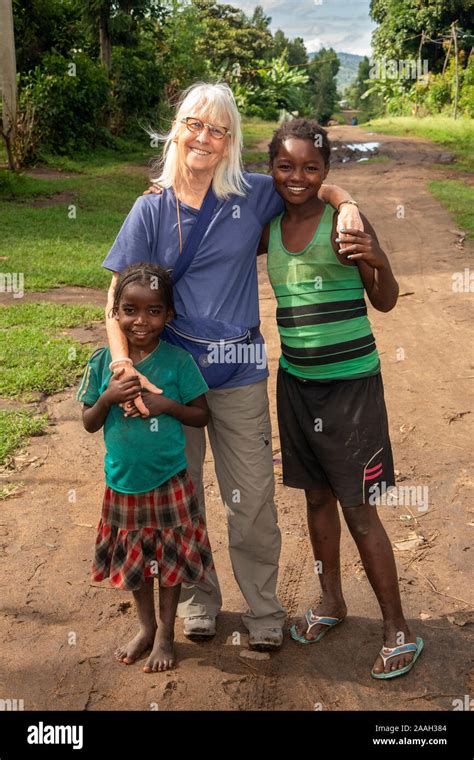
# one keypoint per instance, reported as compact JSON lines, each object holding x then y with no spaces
{"x":70,"y":98}
{"x":138,"y":84}
{"x":276,"y":86}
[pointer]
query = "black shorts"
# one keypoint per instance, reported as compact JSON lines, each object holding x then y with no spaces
{"x":334,"y":434}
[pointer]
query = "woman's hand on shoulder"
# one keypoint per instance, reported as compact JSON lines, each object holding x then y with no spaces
{"x":154,"y":189}
{"x":357,"y":245}
{"x":348,"y":218}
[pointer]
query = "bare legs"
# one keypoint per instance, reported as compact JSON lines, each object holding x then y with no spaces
{"x":157,"y":636}
{"x":379,"y":563}
{"x":325,"y":534}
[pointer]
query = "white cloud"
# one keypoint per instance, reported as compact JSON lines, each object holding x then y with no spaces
{"x":345,"y":26}
{"x":312,"y":46}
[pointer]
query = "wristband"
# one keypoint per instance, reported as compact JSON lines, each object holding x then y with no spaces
{"x":354,"y":203}
{"x":119,"y":361}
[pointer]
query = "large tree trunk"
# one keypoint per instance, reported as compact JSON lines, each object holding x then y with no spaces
{"x":8,"y":77}
{"x":105,"y":38}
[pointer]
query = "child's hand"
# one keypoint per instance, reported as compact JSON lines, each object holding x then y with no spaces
{"x":154,"y":189}
{"x":157,"y":404}
{"x":122,"y":388}
{"x":139,"y":409}
{"x":348,"y":218}
{"x":361,"y":245}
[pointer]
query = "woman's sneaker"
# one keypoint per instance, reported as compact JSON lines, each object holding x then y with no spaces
{"x":266,"y":639}
{"x":199,"y":627}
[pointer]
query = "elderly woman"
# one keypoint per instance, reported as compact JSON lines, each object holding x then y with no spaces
{"x":202,"y":149}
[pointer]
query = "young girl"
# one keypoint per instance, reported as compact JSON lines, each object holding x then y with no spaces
{"x":150,"y":523}
{"x":331,"y":410}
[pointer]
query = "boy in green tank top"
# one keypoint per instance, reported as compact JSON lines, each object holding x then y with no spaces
{"x":331,"y":410}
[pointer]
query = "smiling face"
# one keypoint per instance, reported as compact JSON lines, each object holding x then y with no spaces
{"x":200,"y":151}
{"x":298,"y":170}
{"x":142,"y":315}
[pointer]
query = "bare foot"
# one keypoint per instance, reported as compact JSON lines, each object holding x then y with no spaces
{"x":132,"y":651}
{"x":326,"y":607}
{"x":162,"y":654}
{"x":391,"y":639}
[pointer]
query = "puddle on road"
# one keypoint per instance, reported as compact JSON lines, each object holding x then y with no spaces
{"x":366,"y":147}
{"x":345,"y":152}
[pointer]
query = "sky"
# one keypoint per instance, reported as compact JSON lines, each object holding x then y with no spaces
{"x":344,"y":25}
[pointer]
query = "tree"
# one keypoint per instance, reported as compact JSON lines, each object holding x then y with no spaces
{"x":372,"y":104}
{"x":322,"y":87}
{"x":260,"y":20}
{"x":401,"y":24}
{"x":44,"y":25}
{"x":8,"y":79}
{"x":295,"y":49}
{"x":275,"y":87}
{"x":180,"y":35}
{"x":104,"y":17}
{"x":230,"y":40}
{"x":297,"y":53}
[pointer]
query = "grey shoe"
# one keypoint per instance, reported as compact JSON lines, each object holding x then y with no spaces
{"x":199,"y":627}
{"x":266,"y":639}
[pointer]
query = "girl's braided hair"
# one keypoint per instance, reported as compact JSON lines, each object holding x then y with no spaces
{"x":304,"y":129}
{"x":143,"y":273}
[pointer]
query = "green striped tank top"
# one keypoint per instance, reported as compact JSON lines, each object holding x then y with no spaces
{"x":322,"y":315}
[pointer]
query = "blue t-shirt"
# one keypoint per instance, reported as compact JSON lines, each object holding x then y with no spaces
{"x":142,"y":454}
{"x":221,"y":281}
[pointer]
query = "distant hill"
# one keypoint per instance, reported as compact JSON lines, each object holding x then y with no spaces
{"x":347,"y":70}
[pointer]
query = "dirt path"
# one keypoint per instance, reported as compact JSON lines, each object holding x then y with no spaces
{"x":58,"y":632}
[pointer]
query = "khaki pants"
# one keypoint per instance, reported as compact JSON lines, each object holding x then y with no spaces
{"x":241,"y":440}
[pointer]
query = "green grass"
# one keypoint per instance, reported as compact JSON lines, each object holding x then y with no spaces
{"x":457,"y":137}
{"x":50,"y":248}
{"x":17,"y":186}
{"x":256,"y":130}
{"x":256,"y":133}
{"x":255,"y":157}
{"x":15,"y":428}
{"x":34,"y":356}
{"x":105,"y":161}
{"x":458,"y":199}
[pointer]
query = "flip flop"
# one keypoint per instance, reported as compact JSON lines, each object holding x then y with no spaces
{"x":386,"y":653}
{"x":313,"y":620}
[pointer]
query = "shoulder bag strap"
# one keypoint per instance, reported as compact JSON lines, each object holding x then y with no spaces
{"x":196,"y":235}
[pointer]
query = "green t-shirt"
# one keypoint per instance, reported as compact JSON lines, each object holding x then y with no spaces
{"x":141,"y":454}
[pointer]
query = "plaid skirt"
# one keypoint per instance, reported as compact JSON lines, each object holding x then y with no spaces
{"x":159,"y":534}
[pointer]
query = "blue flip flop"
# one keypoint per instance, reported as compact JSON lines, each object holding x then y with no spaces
{"x":313,"y":620}
{"x":387,"y":652}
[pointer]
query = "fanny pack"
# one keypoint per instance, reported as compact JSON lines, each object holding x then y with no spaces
{"x":217,"y":347}
{"x":213,"y":344}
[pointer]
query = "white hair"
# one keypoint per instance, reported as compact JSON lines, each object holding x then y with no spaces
{"x":217,"y":103}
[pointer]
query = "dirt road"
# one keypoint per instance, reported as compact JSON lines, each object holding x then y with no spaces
{"x":58,"y":632}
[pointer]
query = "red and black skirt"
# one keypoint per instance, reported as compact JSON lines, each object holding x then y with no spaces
{"x":160,"y":534}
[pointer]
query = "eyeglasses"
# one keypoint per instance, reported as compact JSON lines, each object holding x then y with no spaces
{"x":196,"y":125}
